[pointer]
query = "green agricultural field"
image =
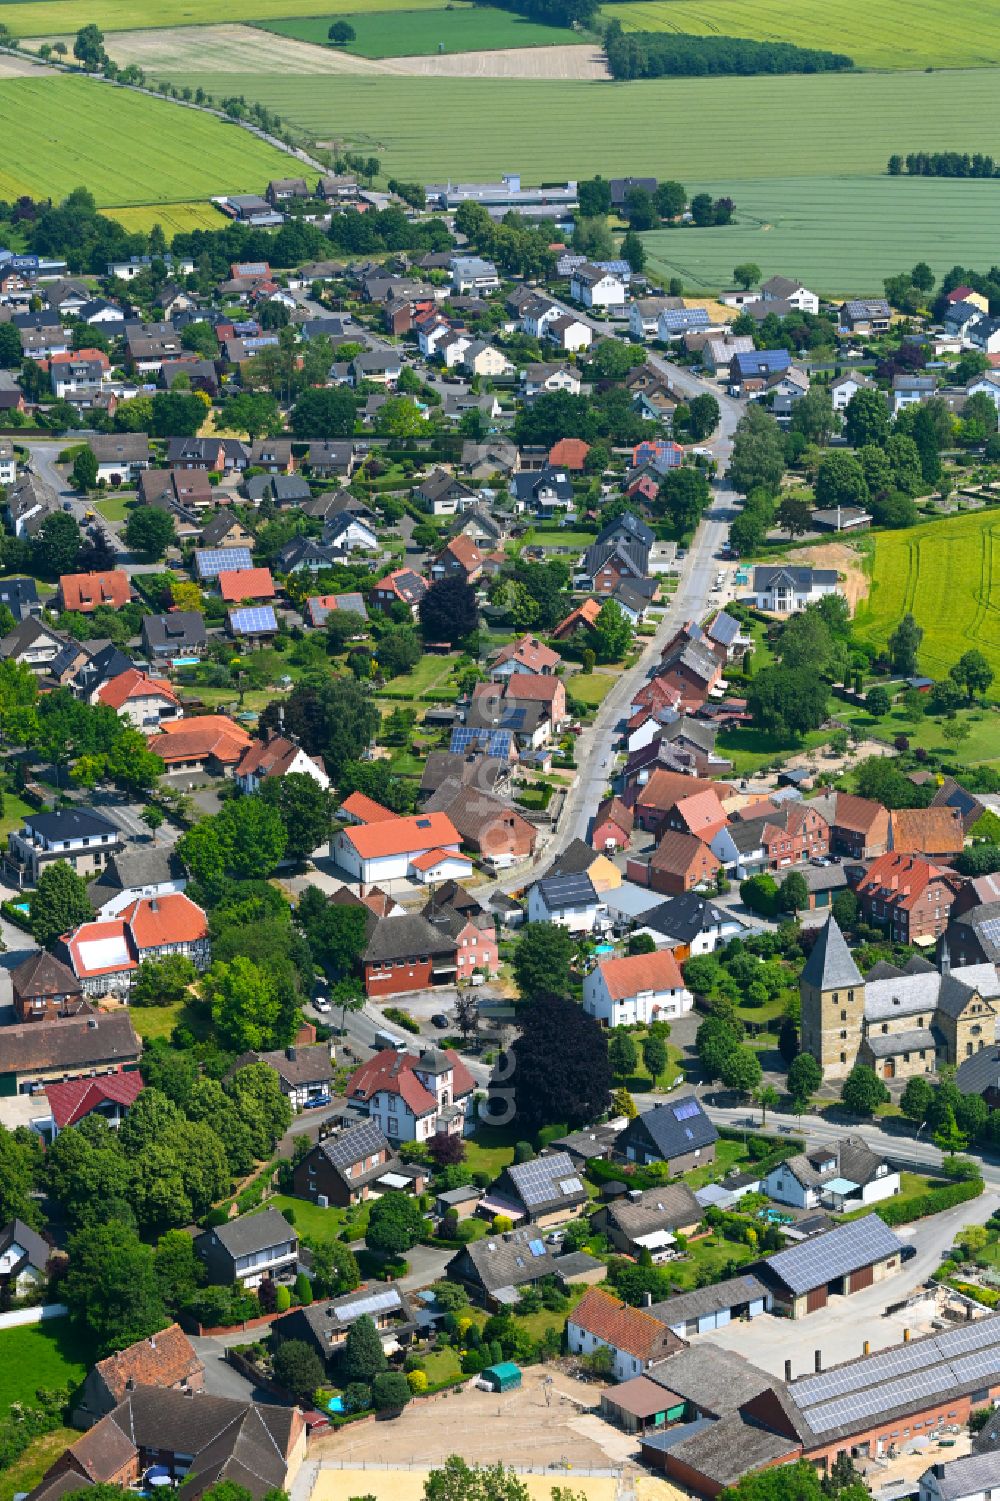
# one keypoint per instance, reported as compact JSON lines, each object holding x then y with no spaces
{"x":416,"y":33}
{"x":947,"y":575}
{"x":787,"y":227}
{"x":39,"y":17}
{"x":845,"y":124}
{"x":893,"y":34}
{"x":173,"y":218}
{"x":59,"y":133}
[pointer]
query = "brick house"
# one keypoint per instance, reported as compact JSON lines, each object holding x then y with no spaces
{"x":166,"y":1360}
{"x":612,"y":825}
{"x":936,"y":832}
{"x":343,"y":1168}
{"x":663,"y":790}
{"x":44,"y":988}
{"x":701,"y":814}
{"x":678,"y":864}
{"x":859,"y":827}
{"x":474,"y":935}
{"x":908,"y":896}
{"x":551,"y":692}
{"x":83,"y":592}
{"x":407,"y":953}
{"x":636,"y":1339}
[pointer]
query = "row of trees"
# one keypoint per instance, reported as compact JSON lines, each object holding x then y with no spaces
{"x":655,"y":54}
{"x":943,"y":164}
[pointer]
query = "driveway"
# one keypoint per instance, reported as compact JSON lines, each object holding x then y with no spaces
{"x":222,"y":1379}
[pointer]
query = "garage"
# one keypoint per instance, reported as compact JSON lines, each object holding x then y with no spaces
{"x":863,"y":1277}
{"x":816,"y":1299}
{"x":804,"y":1277}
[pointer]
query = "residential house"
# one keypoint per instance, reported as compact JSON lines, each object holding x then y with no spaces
{"x":471,"y":273}
{"x":324,"y":1325}
{"x":210,"y":743}
{"x":144,"y":701}
{"x":459,"y":558}
{"x":280,"y":489}
{"x":29,"y":500}
{"x":571,"y":334}
{"x":105,"y":955}
{"x":579,"y":859}
{"x":276,"y":756}
{"x":121,"y":457}
{"x":785,"y":289}
{"x":246,"y":584}
{"x":488,"y":824}
{"x":717,"y":354}
{"x":84,"y":592}
{"x":538,"y":378}
{"x":250,"y":1248}
{"x":24,"y":1262}
{"x":525,"y":655}
{"x":387,"y":851}
{"x":20,"y":595}
{"x":782,"y":589}
{"x":305,"y":1074}
{"x":676,"y":1131}
{"x":486,"y":361}
{"x":973,"y":1478}
{"x":864,"y":317}
{"x":414,"y":1096}
{"x":908,"y":896}
{"x":644,"y":313}
{"x":841,"y":1176}
{"x":635,"y":1339}
{"x":571,"y":901}
{"x":472,"y":929}
{"x":408,"y":952}
{"x":597,"y":288}
{"x":848,"y":385}
{"x":636,"y":990}
{"x":690,"y":925}
{"x":78,"y":376}
{"x":613,"y":823}
{"x":69,"y":1047}
{"x":138,"y":871}
{"x":81,"y":836}
{"x":910,"y":390}
{"x":859,"y":827}
{"x":224,"y":529}
{"x":345,"y":1168}
{"x":937,"y":831}
{"x":494,"y":1268}
{"x":43,"y":988}
{"x":402,"y":586}
{"x":544,"y":1191}
{"x":176,"y":635}
{"x":444,"y":494}
{"x":952,"y":794}
{"x":166,"y":1360}
{"x":549,"y":492}
{"x":681,"y":862}
{"x":648,"y":1220}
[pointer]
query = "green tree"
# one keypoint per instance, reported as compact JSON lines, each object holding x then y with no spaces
{"x":767,"y":1098}
{"x":793,"y":893}
{"x":399,"y":417}
{"x":794,"y":516}
{"x":88,"y":48}
{"x":323,"y":413}
{"x":149,"y":531}
{"x":877,"y":702}
{"x":558,"y":1070}
{"x":758,"y":456}
{"x":915,"y":1101}
{"x":741,"y":1070}
{"x":341,"y":33}
{"x":813,"y":416}
{"x":804,"y":1077}
{"x":863,"y":1091}
{"x":611,"y":633}
{"x":972,"y":672}
{"x":786,"y":701}
{"x":746,"y":275}
{"x":840,"y":481}
{"x":634,"y":251}
{"x":306,"y":810}
{"x":904,"y":643}
{"x":110,"y":1286}
{"x":10,"y":346}
{"x":245,"y":1008}
{"x":394,"y":1225}
{"x":390,"y":1391}
{"x":594,"y":196}
{"x":298,"y":1368}
{"x":336,"y":718}
{"x":162,"y":982}
{"x":622,"y":1054}
{"x":178,"y":1269}
{"x":541,"y":960}
{"x":59,"y":903}
{"x":947,"y":1136}
{"x":363,"y":1358}
{"x":654,"y":1055}
{"x":84,"y":471}
{"x":866,"y":419}
{"x":20,"y":1162}
{"x":56,"y":546}
{"x":671,"y":201}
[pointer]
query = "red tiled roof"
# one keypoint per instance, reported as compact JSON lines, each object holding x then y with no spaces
{"x":164,"y":1360}
{"x":569,"y":453}
{"x":196,"y":739}
{"x":529,"y":653}
{"x":678,"y":852}
{"x":158,"y":920}
{"x":702,"y":813}
{"x":71,"y":1099}
{"x":526,"y":685}
{"x":270,"y":758}
{"x":618,"y":1325}
{"x":637,"y":972}
{"x":665,"y":788}
{"x":899,"y":879}
{"x":858,"y":814}
{"x":584,"y":614}
{"x":71,"y":357}
{"x":402,"y":836}
{"x":393,"y":1073}
{"x":435,"y":857}
{"x":366,"y":809}
{"x":613,"y":810}
{"x":135,"y":684}
{"x":927,"y":831}
{"x":85,"y":591}
{"x":465,"y":552}
{"x":246,"y":583}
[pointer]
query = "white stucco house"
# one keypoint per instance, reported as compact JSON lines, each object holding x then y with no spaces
{"x":389,"y":849}
{"x":636,"y":990}
{"x":596,"y":287}
{"x":843,"y":1176}
{"x":782,"y":590}
{"x":570,"y":901}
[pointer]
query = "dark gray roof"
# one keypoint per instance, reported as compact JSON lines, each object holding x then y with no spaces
{"x":72,"y":1042}
{"x":36,"y":1250}
{"x":685,"y":917}
{"x":560,"y":891}
{"x":830,"y":966}
{"x":351,"y":1146}
{"x":980,"y":1072}
{"x":177,"y":629}
{"x":42,"y":974}
{"x":508,"y":1260}
{"x":697,"y":731}
{"x":628,"y":526}
{"x":407,"y":935}
{"x":71,"y":823}
{"x":665,"y":1207}
{"x":576,"y":858}
{"x":546,"y":1181}
{"x":973,"y":1474}
{"x":252,"y":1232}
{"x":674,"y":1127}
{"x":730,"y":1293}
{"x":18,"y":594}
{"x":329,"y":1316}
{"x":765,"y":578}
{"x":892,"y":1044}
{"x":134,"y":867}
{"x":711,"y":1377}
{"x":813,"y":1263}
{"x":725,"y":1450}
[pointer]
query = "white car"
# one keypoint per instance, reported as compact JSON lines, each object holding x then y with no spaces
{"x":321,"y":1003}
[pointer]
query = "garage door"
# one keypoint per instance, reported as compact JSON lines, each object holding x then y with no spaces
{"x":816,"y":1299}
{"x":863,"y":1278}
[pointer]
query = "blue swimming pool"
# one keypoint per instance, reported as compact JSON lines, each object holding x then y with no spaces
{"x":336,"y":1404}
{"x":604,"y":948}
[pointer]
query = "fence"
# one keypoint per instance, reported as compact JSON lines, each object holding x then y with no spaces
{"x":38,"y":1315}
{"x":380,"y":1466}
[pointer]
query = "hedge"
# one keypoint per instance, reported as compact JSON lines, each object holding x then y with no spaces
{"x":401,"y":1018}
{"x":902,"y":1211}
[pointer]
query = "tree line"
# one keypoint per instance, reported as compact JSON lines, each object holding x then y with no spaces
{"x":551,"y":12}
{"x":943,"y":164}
{"x":654,"y":54}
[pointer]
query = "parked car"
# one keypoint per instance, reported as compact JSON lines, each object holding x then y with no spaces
{"x":440,"y":1020}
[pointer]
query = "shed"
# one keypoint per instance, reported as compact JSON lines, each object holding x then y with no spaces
{"x":503,"y":1377}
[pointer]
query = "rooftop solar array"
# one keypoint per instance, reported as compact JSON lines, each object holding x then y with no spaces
{"x":363,"y":1140}
{"x":679,"y":320}
{"x":496,"y":743}
{"x":928,"y":1369}
{"x":211,"y":561}
{"x":376,"y":1303}
{"x":686,"y":1109}
{"x":254,"y":620}
{"x":536,"y":1247}
{"x":567,"y":891}
{"x":857,"y":1244}
{"x":545,"y":1179}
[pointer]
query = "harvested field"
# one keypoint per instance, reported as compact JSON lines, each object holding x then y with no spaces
{"x":576,"y":62}
{"x":227,"y":49}
{"x":21,"y":67}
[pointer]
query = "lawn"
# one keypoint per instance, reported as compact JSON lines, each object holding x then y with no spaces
{"x":152,"y":1022}
{"x":174,"y":218}
{"x":491,"y":1149}
{"x":947,"y":574}
{"x":320,"y":1225}
{"x":927,"y":733}
{"x":54,"y":1354}
{"x":894,"y":34}
{"x":25,"y":1473}
{"x":535,"y":537}
{"x":38,"y":17}
{"x":442,"y":1365}
{"x":591,"y":688}
{"x":430,"y":673}
{"x":705,"y":1256}
{"x":15,"y":810}
{"x":728,"y":1155}
{"x":56,"y":133}
{"x":750,"y":749}
{"x":911,"y":1186}
{"x":115,"y":507}
{"x":418,"y":32}
{"x":845,"y":125}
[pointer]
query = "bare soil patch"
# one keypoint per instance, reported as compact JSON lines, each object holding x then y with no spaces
{"x":21,"y":67}
{"x":228,"y":48}
{"x":574,"y":62}
{"x":847,"y":561}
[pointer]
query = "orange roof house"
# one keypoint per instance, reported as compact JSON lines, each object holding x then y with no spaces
{"x":166,"y":1359}
{"x":525,"y":655}
{"x":569,"y":453}
{"x":361,"y":809}
{"x":585,"y":614}
{"x":212,"y":742}
{"x":85,"y":591}
{"x":701,"y":813}
{"x":634,"y":1337}
{"x":926,"y":831}
{"x":246,"y":583}
{"x":387,"y":849}
{"x":143,"y":699}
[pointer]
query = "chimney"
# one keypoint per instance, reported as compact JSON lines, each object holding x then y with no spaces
{"x":154,"y":905}
{"x":291,"y":1053}
{"x":818,"y":1360}
{"x":866,"y":1348}
{"x":788,"y":1370}
{"x":906,"y":1336}
{"x":152,"y":1341}
{"x":92,"y":1023}
{"x":647,"y":1300}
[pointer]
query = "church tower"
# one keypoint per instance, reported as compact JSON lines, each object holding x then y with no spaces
{"x":832,"y":993}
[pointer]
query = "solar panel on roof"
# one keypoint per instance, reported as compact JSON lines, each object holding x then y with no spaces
{"x":376,"y":1303}
{"x":211,"y":561}
{"x":495,"y":743}
{"x":686,"y":1109}
{"x":253,"y":620}
{"x":536,"y":1247}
